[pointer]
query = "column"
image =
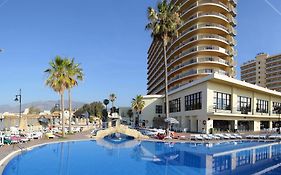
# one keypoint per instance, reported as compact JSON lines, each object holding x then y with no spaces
{"x":270,"y":106}
{"x":257,"y":125}
{"x":209,"y":126}
{"x":233,"y":101}
{"x":270,"y":125}
{"x":254,"y":101}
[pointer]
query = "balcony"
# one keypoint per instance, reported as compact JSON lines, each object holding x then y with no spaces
{"x":195,"y":72}
{"x":206,"y":14}
{"x":197,"y":49}
{"x":201,"y":3}
{"x":233,"y":2}
{"x":232,"y":10}
{"x":199,"y":60}
{"x":201,"y":26}
{"x":232,"y":21}
{"x":197,"y":38}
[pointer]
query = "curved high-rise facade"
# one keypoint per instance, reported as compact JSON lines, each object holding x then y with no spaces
{"x":205,"y":45}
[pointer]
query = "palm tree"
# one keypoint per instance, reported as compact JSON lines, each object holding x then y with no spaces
{"x":74,"y":73}
{"x":138,"y":105}
{"x":112,"y":98}
{"x":164,"y":24}
{"x":58,"y":80}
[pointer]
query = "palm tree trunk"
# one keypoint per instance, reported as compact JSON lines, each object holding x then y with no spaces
{"x":166,"y":84}
{"x":62,"y":113}
{"x":166,"y":81}
{"x":70,"y":109}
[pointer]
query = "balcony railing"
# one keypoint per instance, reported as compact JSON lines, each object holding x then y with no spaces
{"x":202,"y":14}
{"x":196,"y":71}
{"x":196,"y":38}
{"x":198,"y":60}
{"x":199,"y":48}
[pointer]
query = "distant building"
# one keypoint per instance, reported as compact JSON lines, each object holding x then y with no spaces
{"x":264,"y":70}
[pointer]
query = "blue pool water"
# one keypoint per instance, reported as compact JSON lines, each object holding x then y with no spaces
{"x":131,"y":157}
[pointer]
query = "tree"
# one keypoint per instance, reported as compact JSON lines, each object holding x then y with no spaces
{"x":94,"y":109}
{"x":112,"y":98}
{"x":34,"y":110}
{"x":57,"y":80}
{"x":138,"y":105}
{"x":164,"y":24}
{"x":75,"y":74}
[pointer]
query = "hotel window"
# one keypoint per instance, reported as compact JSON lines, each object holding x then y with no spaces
{"x":222,"y":101}
{"x":175,"y":105}
{"x":275,"y":107}
{"x":244,"y":104}
{"x":193,"y":101}
{"x":158,"y":109}
{"x":262,"y":106}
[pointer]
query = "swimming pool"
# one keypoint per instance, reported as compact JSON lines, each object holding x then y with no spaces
{"x":104,"y":157}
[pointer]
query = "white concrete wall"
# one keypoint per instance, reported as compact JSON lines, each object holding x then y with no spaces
{"x":194,"y":120}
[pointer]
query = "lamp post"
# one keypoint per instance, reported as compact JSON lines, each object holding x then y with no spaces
{"x":18,"y":98}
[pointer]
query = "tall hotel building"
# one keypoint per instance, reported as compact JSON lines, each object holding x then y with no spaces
{"x":205,"y":45}
{"x":264,"y":71}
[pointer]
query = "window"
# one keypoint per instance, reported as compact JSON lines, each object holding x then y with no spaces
{"x":244,"y":104}
{"x":175,"y":105}
{"x":262,"y":106}
{"x":158,"y":109}
{"x":222,"y":101}
{"x":276,"y":106}
{"x":193,"y":101}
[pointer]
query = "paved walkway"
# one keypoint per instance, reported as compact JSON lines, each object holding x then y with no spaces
{"x":8,"y":149}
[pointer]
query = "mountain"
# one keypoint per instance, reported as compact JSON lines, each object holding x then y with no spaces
{"x":43,"y":105}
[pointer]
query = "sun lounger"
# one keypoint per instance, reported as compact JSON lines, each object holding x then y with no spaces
{"x":222,"y":136}
{"x":230,"y":136}
{"x":213,"y":136}
{"x":250,"y":136}
{"x":274,"y":136}
{"x":196,"y":137}
{"x":183,"y":137}
{"x":206,"y":137}
{"x":237,"y":136}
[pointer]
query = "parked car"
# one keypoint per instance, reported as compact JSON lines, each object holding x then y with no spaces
{"x":37,"y":135}
{"x":50,"y":135}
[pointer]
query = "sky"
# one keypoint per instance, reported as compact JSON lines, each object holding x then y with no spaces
{"x":108,"y":39}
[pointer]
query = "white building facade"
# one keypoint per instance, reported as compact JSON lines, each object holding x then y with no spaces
{"x":217,"y":103}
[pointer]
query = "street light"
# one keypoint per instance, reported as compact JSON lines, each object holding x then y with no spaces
{"x":18,"y":98}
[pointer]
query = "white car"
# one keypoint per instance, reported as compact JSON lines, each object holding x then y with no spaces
{"x":55,"y":130}
{"x":37,"y":135}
